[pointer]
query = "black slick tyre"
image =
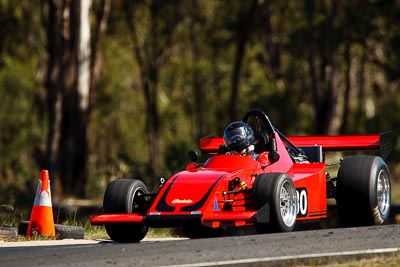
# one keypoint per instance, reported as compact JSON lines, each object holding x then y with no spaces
{"x":363,"y":191}
{"x":125,"y":196}
{"x":278,"y":191}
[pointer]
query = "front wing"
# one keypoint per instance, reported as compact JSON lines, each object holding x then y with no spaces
{"x":169,"y":220}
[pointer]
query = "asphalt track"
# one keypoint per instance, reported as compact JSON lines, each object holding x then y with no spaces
{"x":284,"y":249}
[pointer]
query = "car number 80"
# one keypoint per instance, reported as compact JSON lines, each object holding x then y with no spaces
{"x":302,"y":202}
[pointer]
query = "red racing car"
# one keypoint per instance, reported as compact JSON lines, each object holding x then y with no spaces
{"x":283,"y":183}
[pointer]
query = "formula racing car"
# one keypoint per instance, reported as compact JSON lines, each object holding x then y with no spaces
{"x":283,"y":184}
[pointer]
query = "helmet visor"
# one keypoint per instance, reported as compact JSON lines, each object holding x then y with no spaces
{"x":234,"y":135}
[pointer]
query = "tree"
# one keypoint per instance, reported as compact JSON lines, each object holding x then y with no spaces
{"x":323,"y":67}
{"x":151,"y":51}
{"x":316,"y":67}
{"x":244,"y":30}
{"x":70,"y":77}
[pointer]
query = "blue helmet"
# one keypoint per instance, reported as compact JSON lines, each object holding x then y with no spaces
{"x":238,"y":136}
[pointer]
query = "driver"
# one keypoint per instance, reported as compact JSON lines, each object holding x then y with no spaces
{"x":239,"y":139}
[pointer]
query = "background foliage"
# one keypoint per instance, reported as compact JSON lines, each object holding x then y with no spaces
{"x":316,"y":67}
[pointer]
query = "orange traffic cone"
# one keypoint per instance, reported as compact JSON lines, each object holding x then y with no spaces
{"x":42,"y":220}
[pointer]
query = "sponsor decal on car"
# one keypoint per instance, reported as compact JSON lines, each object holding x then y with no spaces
{"x":182,"y":201}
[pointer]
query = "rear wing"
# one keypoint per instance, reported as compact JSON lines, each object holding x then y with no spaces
{"x":211,"y":144}
{"x":382,"y":142}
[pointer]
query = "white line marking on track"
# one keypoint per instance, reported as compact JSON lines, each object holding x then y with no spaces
{"x":293,"y":257}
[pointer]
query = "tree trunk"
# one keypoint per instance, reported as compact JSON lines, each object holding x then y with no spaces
{"x":68,"y":83}
{"x":271,"y":44}
{"x":314,"y":81}
{"x":150,"y":90}
{"x":96,"y":61}
{"x":84,"y":56}
{"x":72,"y":154}
{"x":347,"y":91}
{"x":199,"y":112}
{"x":145,"y":57}
{"x":54,"y":93}
{"x":80,"y":153}
{"x":149,"y":55}
{"x":242,"y":39}
{"x":361,"y":110}
{"x":324,"y":74}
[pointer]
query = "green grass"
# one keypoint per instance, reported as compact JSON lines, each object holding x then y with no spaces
{"x":94,"y":232}
{"x":11,"y":216}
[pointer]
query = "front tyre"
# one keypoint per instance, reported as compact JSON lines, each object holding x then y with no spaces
{"x":125,"y":196}
{"x":277,"y":190}
{"x":363,"y":191}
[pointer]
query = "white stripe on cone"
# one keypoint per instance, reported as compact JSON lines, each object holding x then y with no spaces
{"x":43,"y":197}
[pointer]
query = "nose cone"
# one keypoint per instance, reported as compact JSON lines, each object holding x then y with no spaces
{"x":190,"y":191}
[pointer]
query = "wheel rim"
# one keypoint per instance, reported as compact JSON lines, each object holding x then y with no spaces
{"x":287,"y":198}
{"x":138,"y":200}
{"x":383,"y":192}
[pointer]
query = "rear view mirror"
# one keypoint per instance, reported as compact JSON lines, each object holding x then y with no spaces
{"x":192,"y":156}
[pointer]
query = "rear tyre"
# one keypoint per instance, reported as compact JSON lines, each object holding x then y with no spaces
{"x":277,"y":190}
{"x":125,"y":196}
{"x":363,"y":191}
